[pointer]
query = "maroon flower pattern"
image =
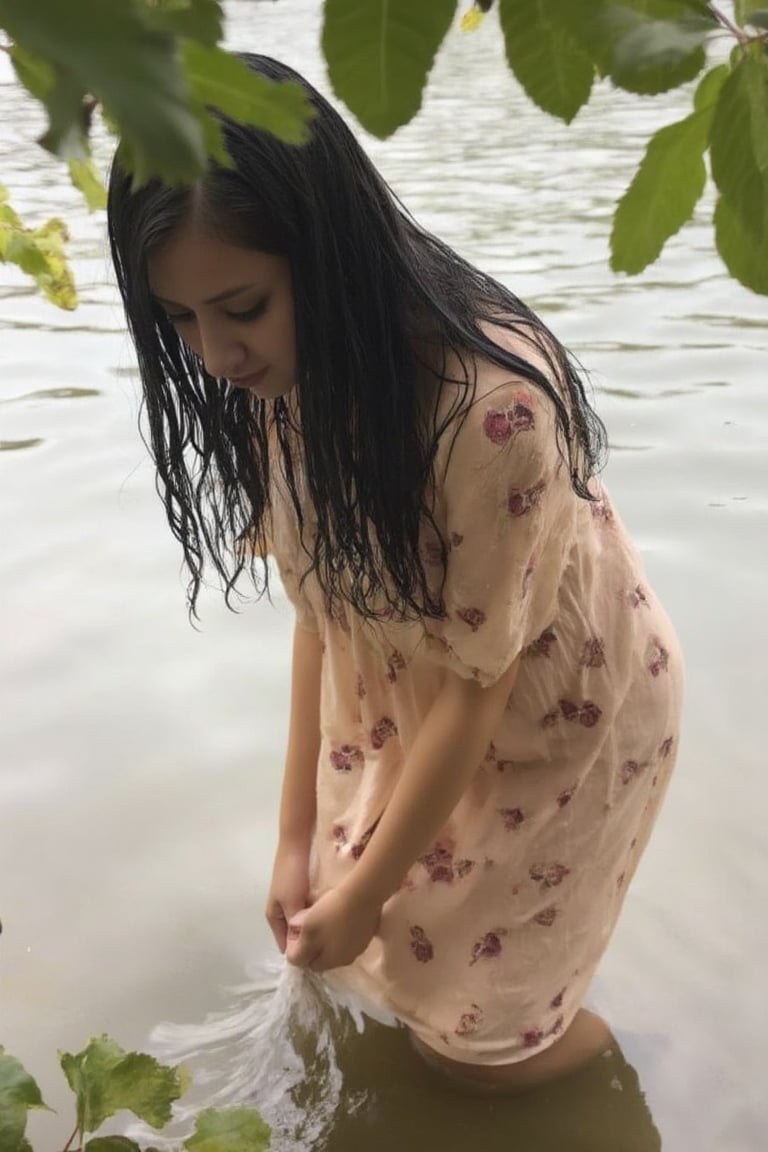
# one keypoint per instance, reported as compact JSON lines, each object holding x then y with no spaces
{"x":546,"y":917}
{"x":532,"y":1038}
{"x":472,"y":617}
{"x":629,"y":770}
{"x":541,"y":645}
{"x":339,"y":835}
{"x":360,"y":689}
{"x":520,"y":501}
{"x":637,"y":597}
{"x":512,"y":817}
{"x":593,"y":654}
{"x":500,"y":424}
{"x":469,"y":1022}
{"x":666,"y":747}
{"x":658,"y":660}
{"x":359,"y":847}
{"x":566,"y":796}
{"x":548,"y":875}
{"x":382,"y":731}
{"x":488,"y":947}
{"x":441,"y":866}
{"x":346,"y":757}
{"x":457,"y":538}
{"x":395,"y":664}
{"x":557,"y":1001}
{"x":530,"y":568}
{"x":421,"y":945}
{"x":602,"y":511}
{"x":586,"y":714}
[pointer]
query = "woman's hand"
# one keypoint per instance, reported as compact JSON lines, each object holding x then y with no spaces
{"x":289,"y":889}
{"x":334,"y":931}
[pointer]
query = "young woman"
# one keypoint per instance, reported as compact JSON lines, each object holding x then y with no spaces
{"x":485,"y":692}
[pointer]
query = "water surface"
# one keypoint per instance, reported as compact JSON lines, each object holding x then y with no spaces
{"x":140,"y":759}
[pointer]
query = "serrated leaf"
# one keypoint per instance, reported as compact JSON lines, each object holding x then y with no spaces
{"x":85,"y":177}
{"x":379,"y":54}
{"x":663,"y":194}
{"x":18,"y":1094}
{"x":106,"y":1080}
{"x":738,"y":149}
{"x":112,"y":1144}
{"x":547,"y":60}
{"x":201,"y":20}
{"x":108,"y":51}
{"x":743,"y":245}
{"x":221,"y":81}
{"x":229,"y":1130}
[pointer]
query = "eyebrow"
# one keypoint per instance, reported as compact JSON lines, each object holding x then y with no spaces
{"x":226,"y":295}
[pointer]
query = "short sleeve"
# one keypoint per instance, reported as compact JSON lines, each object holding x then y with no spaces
{"x":285,"y":548}
{"x":509,"y":512}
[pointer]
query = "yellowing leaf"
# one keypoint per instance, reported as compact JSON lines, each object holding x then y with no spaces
{"x":229,"y":1130}
{"x":85,"y":177}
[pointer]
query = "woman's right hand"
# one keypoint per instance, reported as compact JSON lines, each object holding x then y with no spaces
{"x":289,"y":889}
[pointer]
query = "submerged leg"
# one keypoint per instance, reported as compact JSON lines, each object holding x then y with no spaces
{"x":587,"y":1037}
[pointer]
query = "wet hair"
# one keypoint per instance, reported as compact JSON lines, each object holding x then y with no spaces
{"x":368,"y":284}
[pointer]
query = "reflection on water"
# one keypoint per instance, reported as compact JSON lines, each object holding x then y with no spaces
{"x":15,"y":445}
{"x":325,"y":1078}
{"x":53,"y":394}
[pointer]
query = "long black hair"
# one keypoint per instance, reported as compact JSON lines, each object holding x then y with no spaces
{"x":368,"y":283}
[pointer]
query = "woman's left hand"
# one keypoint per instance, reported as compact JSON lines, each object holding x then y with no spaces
{"x":334,"y":931}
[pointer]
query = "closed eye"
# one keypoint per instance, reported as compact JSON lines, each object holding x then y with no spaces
{"x":251,"y":313}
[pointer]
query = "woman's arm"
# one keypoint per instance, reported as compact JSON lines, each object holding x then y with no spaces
{"x":445,"y":756}
{"x":289,"y":890}
{"x":450,"y":746}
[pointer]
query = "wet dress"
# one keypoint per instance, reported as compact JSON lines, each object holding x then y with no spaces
{"x":488,"y":947}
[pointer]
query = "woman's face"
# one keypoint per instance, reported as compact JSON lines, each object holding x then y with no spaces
{"x":232,"y":306}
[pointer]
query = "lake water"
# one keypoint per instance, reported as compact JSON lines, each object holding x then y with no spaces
{"x":140,"y":760}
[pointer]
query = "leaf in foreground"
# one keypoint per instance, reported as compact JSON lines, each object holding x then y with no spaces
{"x":667,"y":185}
{"x":379,"y":54}
{"x":86,"y":179}
{"x":18,"y":1093}
{"x":106,"y":1079}
{"x":112,"y":1144}
{"x":553,"y":68}
{"x":229,"y":1130}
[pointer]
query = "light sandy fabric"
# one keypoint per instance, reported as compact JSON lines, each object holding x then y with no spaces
{"x":488,"y":948}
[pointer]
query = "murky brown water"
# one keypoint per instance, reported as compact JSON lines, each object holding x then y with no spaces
{"x":140,"y":760}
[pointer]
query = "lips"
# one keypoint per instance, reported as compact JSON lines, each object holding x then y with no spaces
{"x":251,"y":381}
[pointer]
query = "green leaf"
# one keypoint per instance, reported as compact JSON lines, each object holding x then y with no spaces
{"x":112,"y":1144}
{"x":85,"y":177}
{"x":107,"y":50}
{"x":651,"y":56}
{"x":18,"y":1093}
{"x":36,"y":75}
{"x":221,"y":81}
{"x":201,"y":20}
{"x":105,"y":1080}
{"x":229,"y":1130}
{"x":379,"y":54}
{"x":739,"y":145}
{"x":553,"y":68}
{"x":662,"y":196}
{"x":743,"y":245}
{"x":746,"y":10}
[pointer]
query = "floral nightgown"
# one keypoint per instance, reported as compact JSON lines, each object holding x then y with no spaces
{"x":487,"y":949}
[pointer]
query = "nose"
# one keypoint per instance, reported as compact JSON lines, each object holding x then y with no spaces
{"x":221,"y":352}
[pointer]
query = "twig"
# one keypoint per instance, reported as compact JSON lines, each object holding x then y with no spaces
{"x":68,"y":1144}
{"x":743,"y":37}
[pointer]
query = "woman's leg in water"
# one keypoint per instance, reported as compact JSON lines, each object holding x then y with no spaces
{"x":586,"y":1038}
